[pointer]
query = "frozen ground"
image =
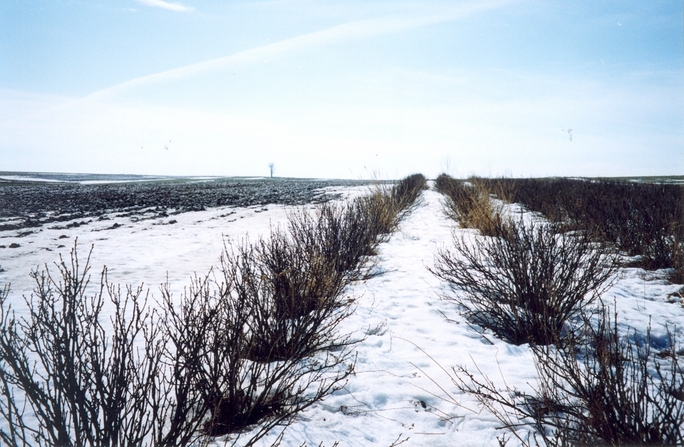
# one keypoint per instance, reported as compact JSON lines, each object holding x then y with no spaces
{"x":400,"y":390}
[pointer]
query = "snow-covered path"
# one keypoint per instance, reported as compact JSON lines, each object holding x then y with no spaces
{"x":402,"y":392}
{"x":395,"y":393}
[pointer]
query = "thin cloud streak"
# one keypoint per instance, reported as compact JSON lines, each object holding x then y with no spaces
{"x":348,"y":31}
{"x":166,"y":5}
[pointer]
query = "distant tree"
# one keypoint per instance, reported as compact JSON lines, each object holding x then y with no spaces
{"x":271,"y":167}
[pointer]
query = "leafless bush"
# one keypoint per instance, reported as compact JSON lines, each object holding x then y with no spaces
{"x":677,"y":230}
{"x":379,"y":213}
{"x":470,"y":204}
{"x":213,"y":337}
{"x":407,"y":191}
{"x":338,"y":237}
{"x":602,"y":389}
{"x":292,"y":300}
{"x":613,"y":389}
{"x":528,"y":285}
{"x":69,"y":380}
{"x":241,"y":352}
{"x":641,"y":219}
{"x":503,"y":189}
{"x":382,"y":209}
{"x":176,"y":376}
{"x":444,"y":182}
{"x":278,"y":306}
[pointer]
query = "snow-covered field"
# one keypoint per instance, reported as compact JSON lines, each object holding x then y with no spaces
{"x":400,"y":392}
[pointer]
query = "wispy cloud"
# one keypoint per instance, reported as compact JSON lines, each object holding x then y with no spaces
{"x":166,"y":5}
{"x":348,"y":31}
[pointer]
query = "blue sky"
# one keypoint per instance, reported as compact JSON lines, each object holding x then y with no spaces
{"x":346,"y":89}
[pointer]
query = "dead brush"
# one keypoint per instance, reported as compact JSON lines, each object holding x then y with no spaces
{"x":469,"y":203}
{"x":383,"y":208}
{"x":243,"y":350}
{"x":196,"y":367}
{"x":295,"y":279}
{"x":644,"y":220}
{"x":406,"y":192}
{"x":278,"y":307}
{"x":613,"y":389}
{"x":527,"y":286}
{"x":292,"y":299}
{"x":677,"y":243}
{"x":279,"y":300}
{"x":243,"y":386}
{"x":68,"y":378}
{"x":301,"y":276}
{"x":340,"y":236}
{"x":444,"y":183}
{"x":499,"y":187}
{"x":600,"y":389}
{"x":379,"y":212}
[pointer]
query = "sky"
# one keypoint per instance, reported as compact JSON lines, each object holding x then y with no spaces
{"x":343,"y":89}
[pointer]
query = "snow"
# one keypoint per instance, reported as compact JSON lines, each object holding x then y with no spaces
{"x":401,"y":389}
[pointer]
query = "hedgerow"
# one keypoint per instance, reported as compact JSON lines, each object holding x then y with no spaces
{"x":469,"y":203}
{"x":642,"y":219}
{"x":243,"y":350}
{"x":535,"y":283}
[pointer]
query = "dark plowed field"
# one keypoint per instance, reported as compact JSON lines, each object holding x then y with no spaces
{"x":30,"y":204}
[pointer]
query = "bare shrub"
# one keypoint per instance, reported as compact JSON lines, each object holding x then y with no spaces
{"x":339,"y":236}
{"x":407,"y":191}
{"x":613,"y":389}
{"x":295,"y":280}
{"x":212,"y":336}
{"x":502,"y":188}
{"x":176,"y":376}
{"x":526,"y":286}
{"x":470,"y":204}
{"x":69,"y":380}
{"x":601,"y":389}
{"x":677,"y":240}
{"x":292,"y":300}
{"x":382,"y":210}
{"x":377,"y":212}
{"x":240,"y":353}
{"x":444,"y":182}
{"x":277,"y":308}
{"x":641,"y":219}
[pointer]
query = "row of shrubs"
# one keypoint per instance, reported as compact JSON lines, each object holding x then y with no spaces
{"x":641,"y":219}
{"x":468,"y":202}
{"x":243,"y":350}
{"x":541,"y":284}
